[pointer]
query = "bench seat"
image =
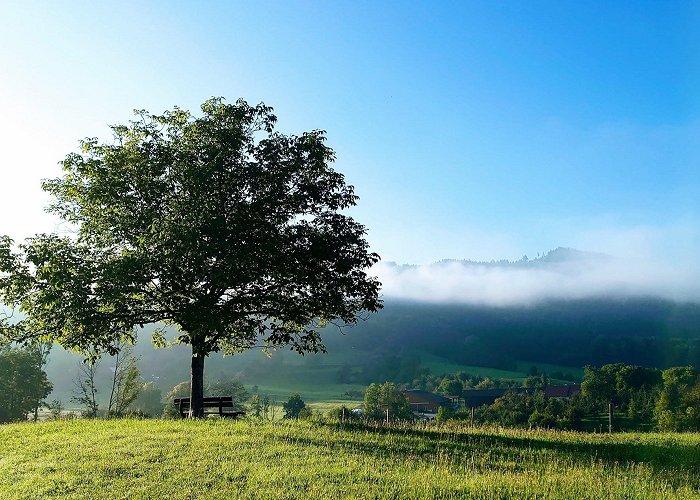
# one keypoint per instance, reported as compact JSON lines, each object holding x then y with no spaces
{"x":216,"y":403}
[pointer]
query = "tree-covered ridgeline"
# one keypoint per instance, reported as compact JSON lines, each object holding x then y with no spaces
{"x":575,"y":333}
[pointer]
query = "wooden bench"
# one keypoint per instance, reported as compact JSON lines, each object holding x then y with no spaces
{"x":219,"y":403}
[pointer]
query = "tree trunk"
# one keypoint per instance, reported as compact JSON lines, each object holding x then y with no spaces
{"x":197,"y":384}
{"x":114,"y":385}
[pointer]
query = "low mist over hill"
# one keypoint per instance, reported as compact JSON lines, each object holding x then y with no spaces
{"x":561,"y":274}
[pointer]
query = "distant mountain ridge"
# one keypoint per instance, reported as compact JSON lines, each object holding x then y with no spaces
{"x":559,"y":255}
{"x":560,"y":274}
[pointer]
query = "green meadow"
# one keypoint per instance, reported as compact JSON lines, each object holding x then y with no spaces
{"x":256,"y":459}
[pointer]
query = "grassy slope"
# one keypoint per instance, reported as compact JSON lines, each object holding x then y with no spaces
{"x":221,"y":459}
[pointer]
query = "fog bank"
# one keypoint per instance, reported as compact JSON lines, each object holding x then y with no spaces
{"x":563,"y":274}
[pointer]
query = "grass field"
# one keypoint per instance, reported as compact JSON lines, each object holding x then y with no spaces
{"x":439,"y":366}
{"x":249,"y":459}
{"x":325,"y":393}
{"x":524,"y":366}
{"x":442,"y":366}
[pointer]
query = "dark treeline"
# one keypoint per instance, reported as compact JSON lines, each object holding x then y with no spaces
{"x":645,"y":332}
{"x":641,"y":399}
{"x":614,"y":397}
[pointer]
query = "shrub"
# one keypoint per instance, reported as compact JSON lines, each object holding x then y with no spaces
{"x":294,"y":406}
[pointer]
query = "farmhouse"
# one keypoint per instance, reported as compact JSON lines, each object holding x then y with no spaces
{"x":562,"y":391}
{"x":426,"y":402}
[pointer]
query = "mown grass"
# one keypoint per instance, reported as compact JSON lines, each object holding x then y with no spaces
{"x":251,"y":459}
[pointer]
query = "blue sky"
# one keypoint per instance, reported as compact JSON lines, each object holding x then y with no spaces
{"x":470,"y":129}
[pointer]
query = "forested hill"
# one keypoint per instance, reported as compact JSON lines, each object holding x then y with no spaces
{"x":393,"y":344}
{"x":648,"y":332}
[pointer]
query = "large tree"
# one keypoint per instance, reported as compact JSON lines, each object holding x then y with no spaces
{"x":219,"y":225}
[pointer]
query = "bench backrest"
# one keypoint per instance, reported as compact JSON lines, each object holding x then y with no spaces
{"x":211,"y":402}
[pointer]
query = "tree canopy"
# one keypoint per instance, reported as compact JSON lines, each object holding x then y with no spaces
{"x":218,"y":224}
{"x":294,"y":406}
{"x":23,"y":382}
{"x":380,"y":398}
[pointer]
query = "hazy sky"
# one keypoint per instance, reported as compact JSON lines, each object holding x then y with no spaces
{"x":470,"y":129}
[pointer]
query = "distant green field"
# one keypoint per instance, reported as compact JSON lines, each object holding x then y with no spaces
{"x":311,"y":380}
{"x":524,"y":366}
{"x":440,"y":366}
{"x":309,"y":392}
{"x":255,"y":459}
{"x":314,"y":380}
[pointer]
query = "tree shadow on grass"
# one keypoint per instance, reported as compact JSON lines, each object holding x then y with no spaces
{"x":678,"y":463}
